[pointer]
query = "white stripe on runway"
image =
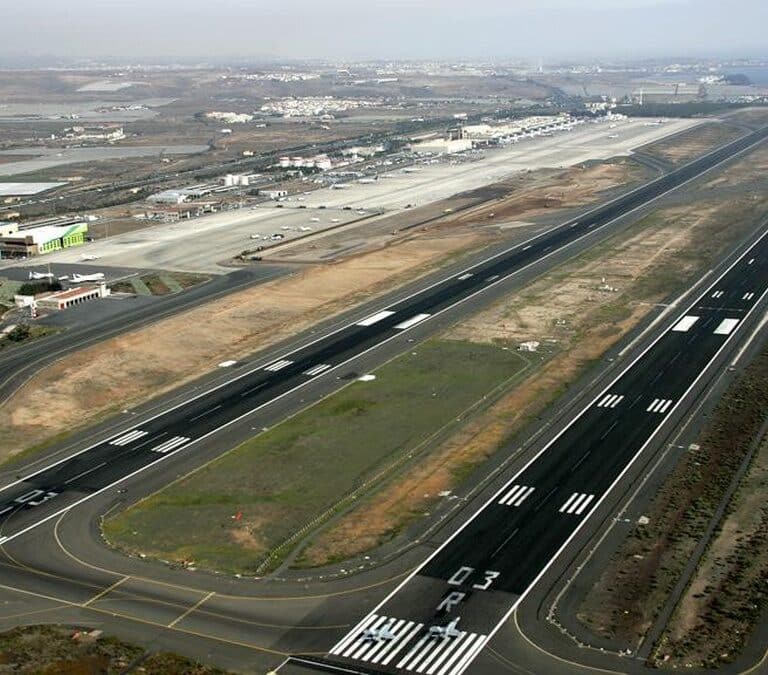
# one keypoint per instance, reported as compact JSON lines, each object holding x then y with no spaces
{"x":407,"y":637}
{"x":278,"y":365}
{"x":446,"y":653}
{"x":516,"y":496}
{"x":726,"y":326}
{"x":576,"y":503}
{"x":379,"y":316}
{"x":463,"y":650}
{"x":169,"y":445}
{"x":464,"y":276}
{"x":659,"y":405}
{"x":412,"y":321}
{"x":382,"y":646}
{"x":470,"y":655}
{"x":684,"y":325}
{"x":354,"y":633}
{"x":718,"y":294}
{"x":362,"y":645}
{"x":317,"y":369}
{"x":610,"y":401}
{"x":584,"y":505}
{"x":129,"y":437}
{"x":748,"y":296}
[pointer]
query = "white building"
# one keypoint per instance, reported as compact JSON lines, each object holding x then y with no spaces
{"x":441,"y":146}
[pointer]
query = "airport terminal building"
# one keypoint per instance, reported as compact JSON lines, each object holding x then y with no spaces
{"x":15,"y":243}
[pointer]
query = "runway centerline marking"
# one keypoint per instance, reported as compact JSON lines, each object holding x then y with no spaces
{"x":203,"y":414}
{"x":85,"y":473}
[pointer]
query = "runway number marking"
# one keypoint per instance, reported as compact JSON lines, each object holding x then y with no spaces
{"x":463,"y":573}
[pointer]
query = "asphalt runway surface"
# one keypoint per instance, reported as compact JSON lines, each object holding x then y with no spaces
{"x":40,"y":496}
{"x":482,"y":572}
{"x":478,"y":566}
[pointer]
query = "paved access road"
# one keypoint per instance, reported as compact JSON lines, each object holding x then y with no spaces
{"x":481,"y":573}
{"x":44,"y":494}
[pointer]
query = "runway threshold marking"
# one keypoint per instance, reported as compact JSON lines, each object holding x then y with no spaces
{"x":748,"y":296}
{"x":191,"y":609}
{"x":106,"y":591}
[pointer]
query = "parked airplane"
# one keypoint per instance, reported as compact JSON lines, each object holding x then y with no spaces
{"x":77,"y":278}
{"x":448,"y":631}
{"x":41,"y":275}
{"x":85,"y":256}
{"x":380,"y":634}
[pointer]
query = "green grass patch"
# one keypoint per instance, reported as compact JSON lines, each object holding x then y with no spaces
{"x":284,"y":479}
{"x":158,"y":284}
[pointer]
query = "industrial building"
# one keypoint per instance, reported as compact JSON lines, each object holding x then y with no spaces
{"x":71,"y":297}
{"x":441,"y":146}
{"x":40,"y":240}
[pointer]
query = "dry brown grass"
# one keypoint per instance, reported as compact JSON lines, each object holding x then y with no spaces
{"x":564,"y":307}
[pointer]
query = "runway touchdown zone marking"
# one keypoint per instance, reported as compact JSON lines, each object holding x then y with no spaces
{"x":375,"y":318}
{"x":685,"y":324}
{"x":169,"y":445}
{"x":516,"y":496}
{"x":726,"y":326}
{"x":610,"y":401}
{"x":659,"y":405}
{"x":316,"y":370}
{"x":576,"y":503}
{"x":278,"y":365}
{"x":130,"y":437}
{"x":412,"y":321}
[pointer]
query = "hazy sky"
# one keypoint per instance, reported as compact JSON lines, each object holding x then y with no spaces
{"x":550,"y":29}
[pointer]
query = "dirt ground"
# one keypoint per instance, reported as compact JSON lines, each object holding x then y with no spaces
{"x":726,"y":597}
{"x":123,"y":370}
{"x":576,"y":186}
{"x":579,"y":310}
{"x":62,"y":650}
{"x":695,"y":142}
{"x":753,"y":169}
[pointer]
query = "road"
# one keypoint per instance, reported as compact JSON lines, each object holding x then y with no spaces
{"x":40,"y":496}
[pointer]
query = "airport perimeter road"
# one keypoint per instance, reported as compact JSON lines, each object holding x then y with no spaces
{"x":40,"y":496}
{"x":475,"y":579}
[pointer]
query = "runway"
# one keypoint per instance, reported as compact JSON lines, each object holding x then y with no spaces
{"x":40,"y":496}
{"x":484,"y":570}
